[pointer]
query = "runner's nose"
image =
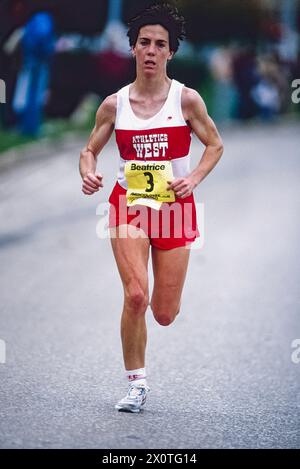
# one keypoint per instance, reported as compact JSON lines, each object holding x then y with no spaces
{"x":151,"y":49}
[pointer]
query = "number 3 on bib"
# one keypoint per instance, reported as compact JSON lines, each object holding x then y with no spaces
{"x":150,"y":181}
{"x":147,"y":183}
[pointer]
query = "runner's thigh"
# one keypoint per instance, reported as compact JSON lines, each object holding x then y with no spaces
{"x":131,"y":253}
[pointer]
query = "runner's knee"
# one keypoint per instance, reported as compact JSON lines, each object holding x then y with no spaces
{"x":164,"y":319}
{"x":165,"y":316}
{"x":136,"y":298}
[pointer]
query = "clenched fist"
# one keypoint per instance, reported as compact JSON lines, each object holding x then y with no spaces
{"x":91,"y":183}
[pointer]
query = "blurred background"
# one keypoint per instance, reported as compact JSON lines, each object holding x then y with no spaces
{"x":60,"y":58}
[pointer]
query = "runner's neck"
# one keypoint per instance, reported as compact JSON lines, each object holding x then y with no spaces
{"x":151,"y":86}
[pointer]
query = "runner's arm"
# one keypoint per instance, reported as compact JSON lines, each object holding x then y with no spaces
{"x":196,"y":114}
{"x":100,"y":135}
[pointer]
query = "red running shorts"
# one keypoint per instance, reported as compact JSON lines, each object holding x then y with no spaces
{"x":173,"y":225}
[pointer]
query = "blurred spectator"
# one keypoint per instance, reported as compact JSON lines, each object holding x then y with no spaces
{"x":12,"y":17}
{"x":32,"y":83}
{"x":271,"y":91}
{"x":266,"y":96}
{"x":246,"y":78}
{"x":224,"y":100}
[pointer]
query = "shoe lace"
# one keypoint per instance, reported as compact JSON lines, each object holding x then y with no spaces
{"x":137,"y":389}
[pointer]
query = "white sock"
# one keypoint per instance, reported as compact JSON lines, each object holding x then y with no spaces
{"x":137,"y":376}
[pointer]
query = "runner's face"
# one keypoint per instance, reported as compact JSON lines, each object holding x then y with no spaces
{"x":152,"y":49}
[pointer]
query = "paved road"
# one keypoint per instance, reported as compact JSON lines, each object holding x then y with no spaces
{"x":221,"y":376}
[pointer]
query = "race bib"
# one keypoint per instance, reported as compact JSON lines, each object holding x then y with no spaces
{"x":147,"y":183}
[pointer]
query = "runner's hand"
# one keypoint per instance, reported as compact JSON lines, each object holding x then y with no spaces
{"x":91,"y":183}
{"x":183,"y":187}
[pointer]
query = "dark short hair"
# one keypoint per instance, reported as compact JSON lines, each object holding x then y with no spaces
{"x":164,"y":14}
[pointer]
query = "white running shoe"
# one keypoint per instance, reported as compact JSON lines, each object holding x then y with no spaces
{"x":135,"y":399}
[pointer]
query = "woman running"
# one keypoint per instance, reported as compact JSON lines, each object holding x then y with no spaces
{"x":152,"y":203}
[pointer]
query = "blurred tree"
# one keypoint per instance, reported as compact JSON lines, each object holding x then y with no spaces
{"x":222,"y":20}
{"x":132,"y":8}
{"x":83,"y":16}
{"x":86,"y":16}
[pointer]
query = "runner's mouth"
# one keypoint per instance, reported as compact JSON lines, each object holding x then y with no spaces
{"x":149,"y":62}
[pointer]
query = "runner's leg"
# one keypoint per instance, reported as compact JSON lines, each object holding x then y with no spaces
{"x":169,"y":270}
{"x":132,"y":256}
